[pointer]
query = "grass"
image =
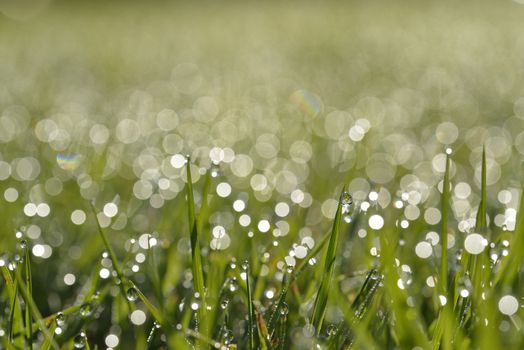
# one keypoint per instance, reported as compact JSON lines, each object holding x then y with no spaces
{"x":378,"y":304}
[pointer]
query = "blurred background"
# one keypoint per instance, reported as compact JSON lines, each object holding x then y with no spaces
{"x":284,"y":101}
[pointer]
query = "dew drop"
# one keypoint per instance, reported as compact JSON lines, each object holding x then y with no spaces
{"x":60,"y":319}
{"x":331,"y":330}
{"x":224,"y":304}
{"x":80,"y":340}
{"x":233,"y":285}
{"x":245,"y":265}
{"x":132,"y":294}
{"x":23,"y":244}
{"x":227,"y":336}
{"x":215,"y":171}
{"x":284,"y":309}
{"x":346,"y":199}
{"x":86,"y":310}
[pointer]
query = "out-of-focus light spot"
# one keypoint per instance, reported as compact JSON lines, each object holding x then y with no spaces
{"x":138,"y":317}
{"x":376,"y":222}
{"x":112,"y":340}
{"x":508,"y":305}
{"x":11,"y":194}
{"x":223,"y":189}
{"x":110,"y":209}
{"x":69,"y":279}
{"x":423,"y":249}
{"x":263,"y":226}
{"x":475,"y":243}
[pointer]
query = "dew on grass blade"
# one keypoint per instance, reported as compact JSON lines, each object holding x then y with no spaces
{"x":86,"y":309}
{"x":331,"y":330}
{"x":79,"y":340}
{"x":132,"y":294}
{"x":60,"y":319}
{"x":284,"y":309}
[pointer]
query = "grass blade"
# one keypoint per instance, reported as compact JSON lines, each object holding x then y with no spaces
{"x":112,"y":257}
{"x":251,"y":314}
{"x":444,"y":202}
{"x":319,"y":307}
{"x":481,"y":224}
{"x":198,"y":275}
{"x":511,"y":265}
{"x":29,"y":285}
{"x":34,"y":309}
{"x":445,"y":314}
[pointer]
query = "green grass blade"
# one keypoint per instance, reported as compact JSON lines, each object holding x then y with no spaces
{"x":109,"y":248}
{"x":288,"y":279}
{"x":198,"y":275}
{"x":445,"y":314}
{"x":481,"y":224}
{"x":252,"y":328}
{"x":444,"y":202}
{"x":319,"y":307}
{"x":112,"y":257}
{"x":511,"y":265}
{"x":263,"y":334}
{"x":29,"y":284}
{"x":150,"y":306}
{"x":34,"y":309}
{"x":46,"y":345}
{"x":14,"y":322}
{"x":360,"y":306}
{"x":205,"y":202}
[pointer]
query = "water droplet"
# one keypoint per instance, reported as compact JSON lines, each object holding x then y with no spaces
{"x":233,"y":285}
{"x":284,"y":309}
{"x":227,"y":336}
{"x":86,"y":310}
{"x":23,"y":244}
{"x":346,"y":201}
{"x":132,"y":294}
{"x":331,"y":330}
{"x":224,"y":304}
{"x":347,"y":218}
{"x":215,"y":171}
{"x":245,"y":265}
{"x":60,"y":319}
{"x":195,"y":305}
{"x":80,"y":340}
{"x":464,"y":293}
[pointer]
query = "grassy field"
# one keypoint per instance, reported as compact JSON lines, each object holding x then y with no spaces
{"x":241,"y":175}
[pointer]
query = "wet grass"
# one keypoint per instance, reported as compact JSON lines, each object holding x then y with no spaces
{"x":325,"y":275}
{"x":378,"y":311}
